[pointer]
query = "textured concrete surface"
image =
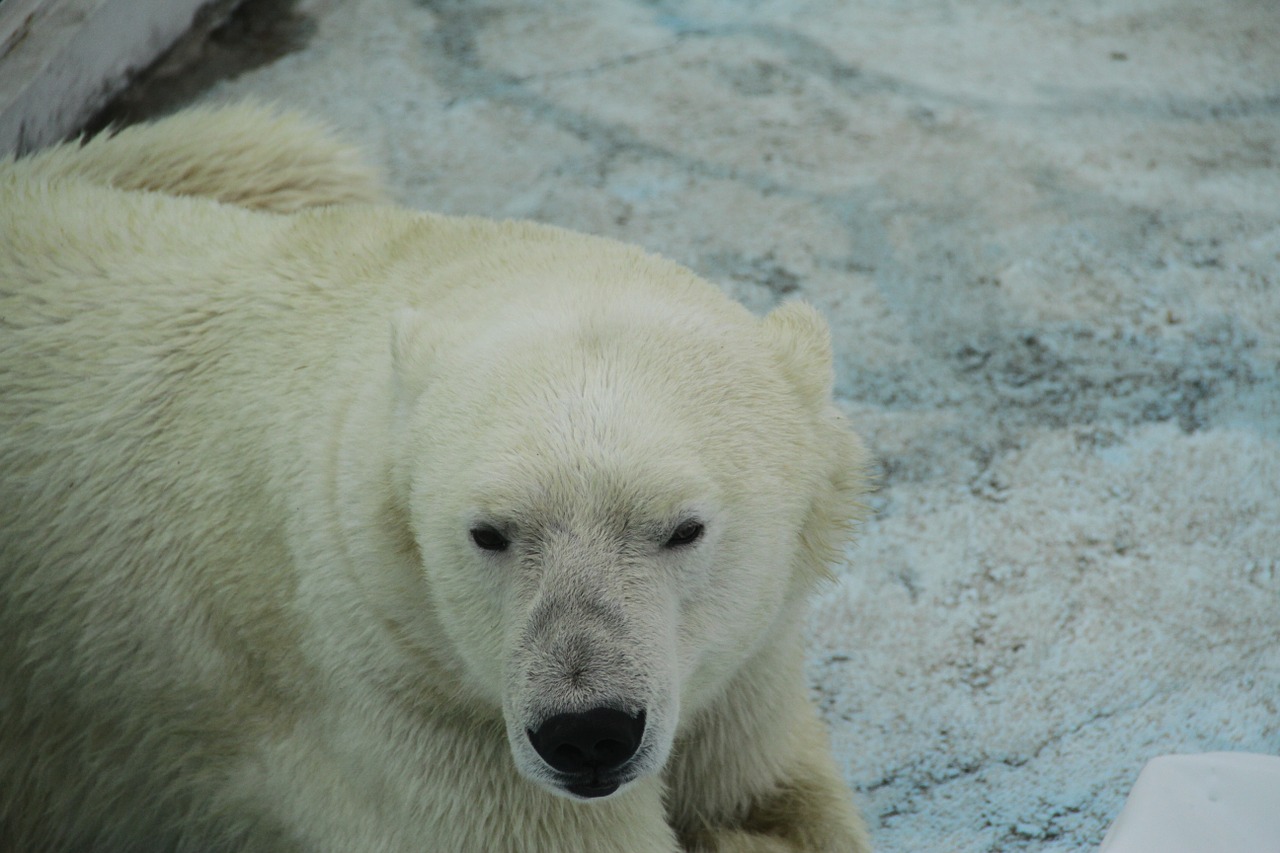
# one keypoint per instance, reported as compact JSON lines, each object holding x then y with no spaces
{"x":1047,"y":236}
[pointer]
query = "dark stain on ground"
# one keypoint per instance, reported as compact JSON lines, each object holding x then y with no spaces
{"x":226,"y":39}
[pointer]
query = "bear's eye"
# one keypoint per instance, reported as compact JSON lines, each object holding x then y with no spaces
{"x":686,"y":533}
{"x":488,"y":539}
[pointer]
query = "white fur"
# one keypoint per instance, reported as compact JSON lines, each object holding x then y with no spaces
{"x":240,"y":457}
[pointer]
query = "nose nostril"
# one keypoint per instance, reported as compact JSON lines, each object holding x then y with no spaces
{"x":612,"y":751}
{"x":601,"y":739}
{"x":567,"y":753}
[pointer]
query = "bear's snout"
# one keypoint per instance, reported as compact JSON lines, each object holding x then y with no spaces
{"x":589,"y":746}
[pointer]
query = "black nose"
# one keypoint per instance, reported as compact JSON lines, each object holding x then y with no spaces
{"x":601,"y":739}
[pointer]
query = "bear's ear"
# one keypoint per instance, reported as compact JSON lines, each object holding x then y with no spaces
{"x":410,"y":354}
{"x":800,"y":338}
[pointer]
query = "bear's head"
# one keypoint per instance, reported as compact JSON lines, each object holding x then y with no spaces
{"x":617,"y":499}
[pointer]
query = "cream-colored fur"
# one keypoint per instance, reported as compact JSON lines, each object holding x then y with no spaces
{"x":244,"y":458}
{"x":248,"y":156}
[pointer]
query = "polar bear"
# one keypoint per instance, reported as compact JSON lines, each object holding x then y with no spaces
{"x":332,"y":526}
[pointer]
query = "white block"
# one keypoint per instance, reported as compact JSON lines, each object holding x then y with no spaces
{"x":63,"y":60}
{"x":1218,"y":802}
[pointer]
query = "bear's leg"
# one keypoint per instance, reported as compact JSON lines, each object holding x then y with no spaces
{"x":245,"y":155}
{"x":755,"y":774}
{"x":807,"y":810}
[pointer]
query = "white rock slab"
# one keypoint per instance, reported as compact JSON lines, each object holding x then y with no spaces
{"x":1217,"y":801}
{"x":62,"y":60}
